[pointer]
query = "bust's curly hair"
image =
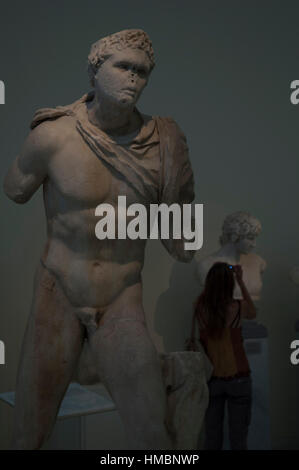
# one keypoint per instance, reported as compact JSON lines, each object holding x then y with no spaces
{"x":128,"y":38}
{"x":240,"y":224}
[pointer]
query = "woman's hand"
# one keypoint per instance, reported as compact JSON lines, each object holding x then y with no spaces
{"x":238,"y":272}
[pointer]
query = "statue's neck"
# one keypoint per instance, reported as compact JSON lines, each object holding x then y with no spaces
{"x":112,"y":118}
{"x":230,"y":252}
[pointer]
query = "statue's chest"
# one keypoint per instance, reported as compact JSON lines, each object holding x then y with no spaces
{"x":251,"y":276}
{"x":77,"y":173}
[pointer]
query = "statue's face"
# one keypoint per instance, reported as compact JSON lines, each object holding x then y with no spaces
{"x":123,"y":76}
{"x":246,"y":245}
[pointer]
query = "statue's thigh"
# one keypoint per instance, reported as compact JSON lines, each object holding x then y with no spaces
{"x":130,"y":368}
{"x":50,"y":351}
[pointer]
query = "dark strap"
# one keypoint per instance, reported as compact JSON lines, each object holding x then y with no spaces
{"x":236,"y":320}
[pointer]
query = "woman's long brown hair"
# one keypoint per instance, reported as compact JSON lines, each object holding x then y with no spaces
{"x":216,"y":297}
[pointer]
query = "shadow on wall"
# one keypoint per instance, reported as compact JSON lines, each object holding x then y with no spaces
{"x":173,"y":314}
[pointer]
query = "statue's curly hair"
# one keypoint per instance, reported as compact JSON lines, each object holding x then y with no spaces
{"x":128,"y":38}
{"x":241,"y":224}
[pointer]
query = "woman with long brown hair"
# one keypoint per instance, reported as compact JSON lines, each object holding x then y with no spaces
{"x":219,"y":318}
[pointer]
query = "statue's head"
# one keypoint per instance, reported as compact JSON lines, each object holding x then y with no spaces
{"x":121,"y":61}
{"x":240,"y":228}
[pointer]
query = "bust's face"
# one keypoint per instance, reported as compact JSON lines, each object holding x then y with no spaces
{"x":123,"y":76}
{"x":246,"y":245}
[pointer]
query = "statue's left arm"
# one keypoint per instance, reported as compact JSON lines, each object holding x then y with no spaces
{"x":177,"y":181}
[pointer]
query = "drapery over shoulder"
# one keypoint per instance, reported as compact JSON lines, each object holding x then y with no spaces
{"x":44,"y":114}
{"x":169,"y":181}
{"x":177,"y":182}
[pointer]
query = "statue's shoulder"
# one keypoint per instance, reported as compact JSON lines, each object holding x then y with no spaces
{"x":56,"y":128}
{"x":59,"y":112}
{"x":49,"y":115}
{"x":256,"y":260}
{"x":169,"y":125}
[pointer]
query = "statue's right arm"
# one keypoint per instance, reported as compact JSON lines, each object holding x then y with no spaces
{"x":30,"y":168}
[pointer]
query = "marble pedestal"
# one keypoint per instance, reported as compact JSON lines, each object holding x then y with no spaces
{"x":87,"y":419}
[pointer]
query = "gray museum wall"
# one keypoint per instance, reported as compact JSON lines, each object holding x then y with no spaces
{"x":223,"y":71}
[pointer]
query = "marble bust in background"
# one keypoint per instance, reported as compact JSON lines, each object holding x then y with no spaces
{"x":238,"y":239}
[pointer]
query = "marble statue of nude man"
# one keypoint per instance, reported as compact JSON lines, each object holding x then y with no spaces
{"x":85,"y":154}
